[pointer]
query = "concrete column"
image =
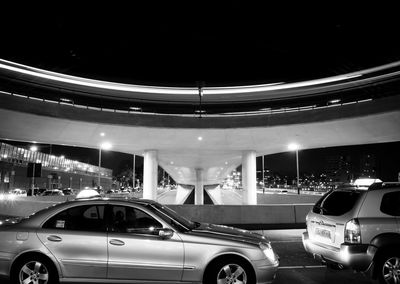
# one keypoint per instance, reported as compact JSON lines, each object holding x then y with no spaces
{"x":249,"y":168}
{"x":199,"y":188}
{"x":150,"y":172}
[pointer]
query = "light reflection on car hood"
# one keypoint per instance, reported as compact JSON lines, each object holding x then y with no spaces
{"x":228,"y":233}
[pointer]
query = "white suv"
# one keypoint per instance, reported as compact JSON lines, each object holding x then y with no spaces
{"x":358,"y":229}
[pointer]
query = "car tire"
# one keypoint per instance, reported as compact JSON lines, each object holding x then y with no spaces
{"x":387,"y":268}
{"x":228,"y":270}
{"x":35,"y":267}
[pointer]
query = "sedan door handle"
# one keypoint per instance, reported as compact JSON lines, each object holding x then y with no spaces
{"x":53,"y":238}
{"x":117,"y":242}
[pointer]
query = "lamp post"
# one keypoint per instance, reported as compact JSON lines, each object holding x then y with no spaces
{"x":105,"y":146}
{"x":33,"y":149}
{"x":296,"y":147}
{"x":134,"y":172}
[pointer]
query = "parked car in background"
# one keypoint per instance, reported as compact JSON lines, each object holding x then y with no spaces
{"x":35,"y":191}
{"x":53,"y":192}
{"x":19,"y":192}
{"x":357,"y":228}
{"x":124,"y":240}
{"x":68,"y":191}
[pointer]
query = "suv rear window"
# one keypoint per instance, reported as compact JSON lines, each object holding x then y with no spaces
{"x":337,"y":202}
{"x":390,"y":203}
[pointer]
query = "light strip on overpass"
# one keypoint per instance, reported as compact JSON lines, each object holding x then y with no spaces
{"x":58,"y":77}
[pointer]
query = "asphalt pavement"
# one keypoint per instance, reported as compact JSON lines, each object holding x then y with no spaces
{"x":297,"y":266}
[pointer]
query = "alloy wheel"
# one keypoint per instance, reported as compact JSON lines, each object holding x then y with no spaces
{"x":391,"y":270}
{"x":33,"y":272}
{"x":232,"y":274}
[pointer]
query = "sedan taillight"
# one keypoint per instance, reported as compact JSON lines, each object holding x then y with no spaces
{"x":352,"y":232}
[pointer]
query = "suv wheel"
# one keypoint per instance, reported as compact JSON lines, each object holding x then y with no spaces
{"x":388,"y":269}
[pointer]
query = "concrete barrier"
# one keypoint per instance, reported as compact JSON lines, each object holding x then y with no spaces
{"x":243,"y":216}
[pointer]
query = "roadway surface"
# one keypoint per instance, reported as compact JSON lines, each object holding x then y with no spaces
{"x":234,"y":197}
{"x":296,"y":266}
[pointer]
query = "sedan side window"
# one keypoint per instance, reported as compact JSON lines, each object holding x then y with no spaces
{"x":79,"y":218}
{"x":132,"y":220}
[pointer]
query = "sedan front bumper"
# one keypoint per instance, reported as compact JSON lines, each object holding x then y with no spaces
{"x":265,"y":272}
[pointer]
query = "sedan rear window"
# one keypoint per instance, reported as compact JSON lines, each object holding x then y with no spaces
{"x":337,"y":202}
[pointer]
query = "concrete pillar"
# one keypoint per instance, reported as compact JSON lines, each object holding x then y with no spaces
{"x":199,"y":188}
{"x":249,"y":168}
{"x":150,"y":172}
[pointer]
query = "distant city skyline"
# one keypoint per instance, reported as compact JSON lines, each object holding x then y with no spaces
{"x":386,"y":158}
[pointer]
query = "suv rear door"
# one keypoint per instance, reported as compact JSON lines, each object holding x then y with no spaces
{"x":326,"y":221}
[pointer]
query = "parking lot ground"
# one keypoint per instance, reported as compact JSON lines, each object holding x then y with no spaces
{"x":297,"y":266}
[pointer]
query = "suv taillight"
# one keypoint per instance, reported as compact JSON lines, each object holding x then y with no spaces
{"x":352,"y":232}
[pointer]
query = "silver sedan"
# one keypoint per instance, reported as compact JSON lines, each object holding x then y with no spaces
{"x":103,"y":240}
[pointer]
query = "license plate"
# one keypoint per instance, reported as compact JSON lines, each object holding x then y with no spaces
{"x":323,"y":233}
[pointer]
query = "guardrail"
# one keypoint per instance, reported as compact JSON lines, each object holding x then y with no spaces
{"x":243,"y":216}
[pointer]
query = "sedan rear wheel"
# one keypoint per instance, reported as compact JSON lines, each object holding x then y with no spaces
{"x":34,"y":270}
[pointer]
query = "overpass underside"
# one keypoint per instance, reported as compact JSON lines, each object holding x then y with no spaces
{"x":199,"y":149}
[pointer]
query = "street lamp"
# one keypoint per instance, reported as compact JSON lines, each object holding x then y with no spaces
{"x":296,"y":147}
{"x":33,"y":149}
{"x":105,"y":146}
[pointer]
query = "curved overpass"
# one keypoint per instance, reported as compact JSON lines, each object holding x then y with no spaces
{"x":225,"y":138}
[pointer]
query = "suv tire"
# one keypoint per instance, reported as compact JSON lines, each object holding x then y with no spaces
{"x":388,"y":268}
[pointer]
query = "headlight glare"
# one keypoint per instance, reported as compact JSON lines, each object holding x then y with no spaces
{"x":268,"y":251}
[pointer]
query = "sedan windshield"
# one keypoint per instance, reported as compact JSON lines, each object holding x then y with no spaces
{"x":172,"y":217}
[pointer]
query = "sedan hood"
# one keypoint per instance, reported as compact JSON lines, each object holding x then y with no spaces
{"x":228,"y":233}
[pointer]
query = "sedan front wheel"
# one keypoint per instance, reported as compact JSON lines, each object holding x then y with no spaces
{"x":230,"y":271}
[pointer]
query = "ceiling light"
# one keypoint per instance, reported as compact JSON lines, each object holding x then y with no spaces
{"x":102,"y":134}
{"x":199,"y":138}
{"x":66,"y":100}
{"x":106,"y":145}
{"x":293,"y":146}
{"x":336,"y":101}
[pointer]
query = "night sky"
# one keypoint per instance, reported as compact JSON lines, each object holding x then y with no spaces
{"x":178,"y":43}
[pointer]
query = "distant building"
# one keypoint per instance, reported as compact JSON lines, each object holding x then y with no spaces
{"x":55,"y":172}
{"x":368,"y":166}
{"x":339,"y":168}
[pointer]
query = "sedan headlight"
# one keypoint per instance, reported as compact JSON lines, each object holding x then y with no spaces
{"x":268,"y":251}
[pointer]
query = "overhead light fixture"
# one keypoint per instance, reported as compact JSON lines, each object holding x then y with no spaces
{"x":335,"y":101}
{"x":33,"y":148}
{"x":293,"y":146}
{"x":199,"y":138}
{"x":65,"y":100}
{"x":135,"y":108}
{"x":102,"y":134}
{"x":106,"y":145}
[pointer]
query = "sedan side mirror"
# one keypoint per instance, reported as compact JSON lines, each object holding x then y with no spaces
{"x":165,"y":233}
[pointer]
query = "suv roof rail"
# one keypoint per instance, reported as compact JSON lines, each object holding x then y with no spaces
{"x":383,"y":185}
